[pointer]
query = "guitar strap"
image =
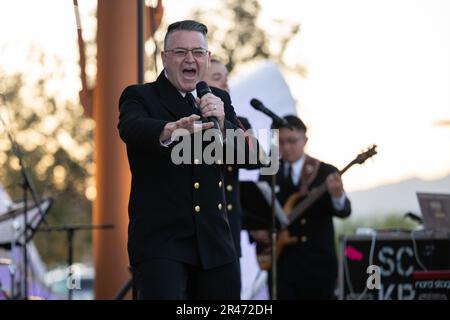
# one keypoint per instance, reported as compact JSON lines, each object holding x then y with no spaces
{"x":309,"y":173}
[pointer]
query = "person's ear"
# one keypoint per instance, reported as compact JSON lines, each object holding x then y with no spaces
{"x":163,"y":59}
{"x":208,"y":61}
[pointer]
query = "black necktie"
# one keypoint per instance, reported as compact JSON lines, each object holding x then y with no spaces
{"x":289,"y":176}
{"x":191,"y":101}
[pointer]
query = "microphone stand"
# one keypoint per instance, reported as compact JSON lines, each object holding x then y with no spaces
{"x":256,"y":104}
{"x":27,"y":185}
{"x":70,"y":229}
{"x":274,"y":240}
{"x":124,"y":290}
{"x":274,"y":155}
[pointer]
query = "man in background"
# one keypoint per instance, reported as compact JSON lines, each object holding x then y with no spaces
{"x":307,"y":265}
{"x":217,"y":76}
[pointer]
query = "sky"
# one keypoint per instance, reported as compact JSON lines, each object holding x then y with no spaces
{"x":378,"y":73}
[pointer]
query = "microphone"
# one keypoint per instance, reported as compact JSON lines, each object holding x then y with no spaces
{"x":259,"y":106}
{"x":202,"y":89}
{"x":414,"y":217}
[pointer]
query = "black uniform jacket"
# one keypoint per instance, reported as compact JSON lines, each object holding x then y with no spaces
{"x":176,"y":211}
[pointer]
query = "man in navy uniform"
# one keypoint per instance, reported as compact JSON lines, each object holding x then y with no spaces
{"x":179,"y":239}
{"x":307,"y":265}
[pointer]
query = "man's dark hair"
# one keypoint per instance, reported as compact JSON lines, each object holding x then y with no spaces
{"x":294,"y":123}
{"x":185,"y":25}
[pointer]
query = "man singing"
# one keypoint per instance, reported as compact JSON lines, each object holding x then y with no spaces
{"x":179,"y":240}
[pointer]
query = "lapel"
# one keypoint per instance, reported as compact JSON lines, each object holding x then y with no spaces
{"x":280,"y":173}
{"x":171,"y":99}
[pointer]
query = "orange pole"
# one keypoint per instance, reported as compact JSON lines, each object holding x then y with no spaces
{"x":116,"y":68}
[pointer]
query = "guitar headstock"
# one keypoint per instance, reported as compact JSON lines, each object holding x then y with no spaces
{"x":363,"y":156}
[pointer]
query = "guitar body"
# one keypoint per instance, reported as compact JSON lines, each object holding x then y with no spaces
{"x":264,"y":253}
{"x":264,"y":257}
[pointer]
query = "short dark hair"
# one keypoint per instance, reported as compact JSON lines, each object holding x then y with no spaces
{"x":294,"y":123}
{"x":186,"y":25}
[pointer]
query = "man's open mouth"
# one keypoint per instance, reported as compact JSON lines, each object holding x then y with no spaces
{"x":189,"y":72}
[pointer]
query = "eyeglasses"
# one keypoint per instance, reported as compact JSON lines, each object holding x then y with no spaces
{"x":182,"y":52}
{"x":290,"y":141}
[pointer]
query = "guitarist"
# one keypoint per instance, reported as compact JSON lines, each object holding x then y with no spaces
{"x":307,"y":265}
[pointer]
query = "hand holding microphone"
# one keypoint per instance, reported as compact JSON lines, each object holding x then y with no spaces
{"x":210,"y":106}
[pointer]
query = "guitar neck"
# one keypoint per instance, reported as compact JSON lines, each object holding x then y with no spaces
{"x":313,"y":196}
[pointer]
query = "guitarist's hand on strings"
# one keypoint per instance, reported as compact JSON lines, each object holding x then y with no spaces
{"x":334,"y":185}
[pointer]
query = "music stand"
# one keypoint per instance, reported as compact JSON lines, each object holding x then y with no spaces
{"x":8,"y":232}
{"x":257,"y":208}
{"x":70,"y":229}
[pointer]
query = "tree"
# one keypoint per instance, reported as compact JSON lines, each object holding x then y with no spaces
{"x":56,"y":141}
{"x":236,"y":38}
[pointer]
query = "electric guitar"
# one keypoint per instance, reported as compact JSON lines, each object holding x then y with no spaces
{"x":294,"y":209}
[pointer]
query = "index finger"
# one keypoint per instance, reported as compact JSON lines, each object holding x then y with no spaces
{"x":192,"y":118}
